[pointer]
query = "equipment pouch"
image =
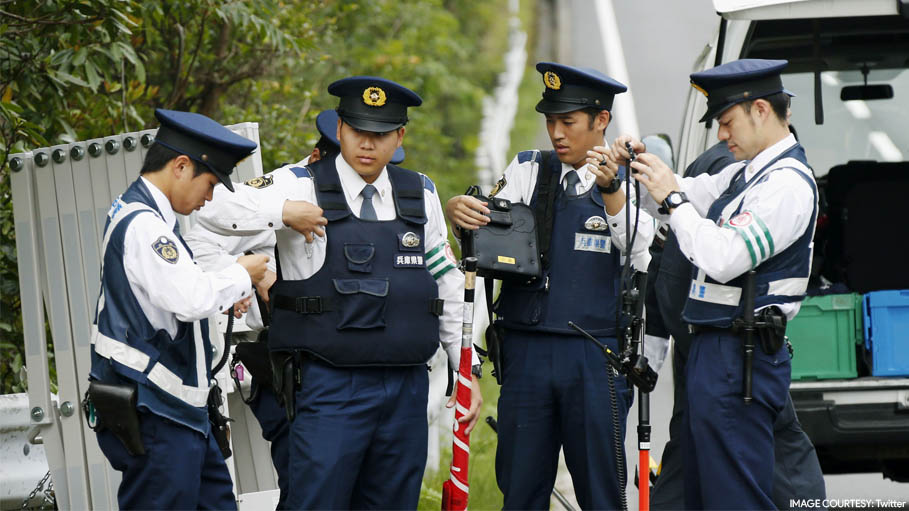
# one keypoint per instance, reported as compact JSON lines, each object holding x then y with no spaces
{"x":254,"y":356}
{"x":220,"y":425}
{"x":115,"y":407}
{"x":506,"y":247}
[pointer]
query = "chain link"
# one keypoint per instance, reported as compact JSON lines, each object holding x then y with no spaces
{"x":48,"y":493}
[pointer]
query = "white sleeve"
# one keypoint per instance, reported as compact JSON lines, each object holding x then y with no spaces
{"x":253,"y":209}
{"x":519,"y":179}
{"x":442,"y":265}
{"x":773,"y":215}
{"x":157,"y":263}
{"x":215,"y":251}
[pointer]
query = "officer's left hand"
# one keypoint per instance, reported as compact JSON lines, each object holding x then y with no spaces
{"x":240,"y":308}
{"x":476,"y":401}
{"x":265,"y":284}
{"x":655,"y":175}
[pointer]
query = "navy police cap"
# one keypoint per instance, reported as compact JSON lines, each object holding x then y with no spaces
{"x":738,"y":81}
{"x":327,"y":123}
{"x":205,"y":141}
{"x":373,"y":104}
{"x":573,"y":88}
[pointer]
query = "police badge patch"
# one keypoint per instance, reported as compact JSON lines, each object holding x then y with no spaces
{"x":410,"y":240}
{"x":498,"y":187}
{"x":166,"y":249}
{"x":260,"y":182}
{"x":595,"y":223}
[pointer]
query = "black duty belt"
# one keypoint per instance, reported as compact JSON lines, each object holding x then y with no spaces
{"x":320,"y":304}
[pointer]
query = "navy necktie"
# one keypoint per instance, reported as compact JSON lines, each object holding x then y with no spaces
{"x":367,"y":210}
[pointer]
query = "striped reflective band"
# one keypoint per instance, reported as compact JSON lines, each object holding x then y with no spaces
{"x":161,"y":376}
{"x":788,"y":287}
{"x":715,"y":293}
{"x":123,"y":353}
{"x":730,"y":295}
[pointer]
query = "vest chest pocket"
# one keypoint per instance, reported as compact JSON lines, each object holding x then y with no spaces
{"x":361,"y":304}
{"x":359,"y":256}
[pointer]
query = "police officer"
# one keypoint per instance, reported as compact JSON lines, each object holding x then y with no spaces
{"x":214,"y":251}
{"x":359,"y":306}
{"x":150,"y":330}
{"x":756,"y":214}
{"x":796,"y":470}
{"x":554,"y":388}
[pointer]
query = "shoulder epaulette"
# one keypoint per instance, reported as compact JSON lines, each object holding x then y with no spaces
{"x":526,"y":156}
{"x":428,"y":184}
{"x":301,"y":171}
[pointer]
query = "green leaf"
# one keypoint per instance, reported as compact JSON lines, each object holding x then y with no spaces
{"x":61,"y":78}
{"x":91,"y":72}
{"x":79,"y":58}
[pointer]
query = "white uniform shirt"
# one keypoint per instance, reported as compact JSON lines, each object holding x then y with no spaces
{"x":520,"y":180}
{"x":254,"y":210}
{"x":178,"y":290}
{"x":781,"y":206}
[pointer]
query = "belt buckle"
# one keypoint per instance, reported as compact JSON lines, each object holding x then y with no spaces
{"x":309,"y":305}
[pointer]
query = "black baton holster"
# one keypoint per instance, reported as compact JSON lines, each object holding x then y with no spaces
{"x":287,"y":369}
{"x":771,"y":329}
{"x":220,"y":425}
{"x":113,"y":406}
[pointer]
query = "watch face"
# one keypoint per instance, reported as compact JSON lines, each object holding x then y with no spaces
{"x":674,"y":199}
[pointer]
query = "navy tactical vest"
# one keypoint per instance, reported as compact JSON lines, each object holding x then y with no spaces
{"x":783,"y":278}
{"x":125,"y":346}
{"x":373,"y":302}
{"x":581,"y":282}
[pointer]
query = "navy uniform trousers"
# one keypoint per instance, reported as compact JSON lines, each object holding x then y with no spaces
{"x":275,"y":429}
{"x":181,"y":469}
{"x":555,"y":393}
{"x":359,"y":438}
{"x":728,"y":447}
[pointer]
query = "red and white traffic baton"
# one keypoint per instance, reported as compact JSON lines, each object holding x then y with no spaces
{"x":455,"y":490}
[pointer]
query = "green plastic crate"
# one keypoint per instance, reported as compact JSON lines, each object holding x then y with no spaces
{"x":824,"y":335}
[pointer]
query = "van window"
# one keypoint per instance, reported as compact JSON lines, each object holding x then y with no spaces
{"x":852,"y":130}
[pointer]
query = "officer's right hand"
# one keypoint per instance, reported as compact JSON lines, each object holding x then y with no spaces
{"x":255,"y":266}
{"x":304,"y":217}
{"x":467,"y":212}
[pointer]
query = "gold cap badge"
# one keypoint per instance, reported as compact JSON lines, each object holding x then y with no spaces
{"x":374,"y":96}
{"x":552,"y":80}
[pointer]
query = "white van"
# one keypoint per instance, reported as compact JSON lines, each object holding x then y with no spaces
{"x":848,"y":63}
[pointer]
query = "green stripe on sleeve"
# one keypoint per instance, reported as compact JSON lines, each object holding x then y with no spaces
{"x":437,"y":275}
{"x":437,"y":262}
{"x":747,"y":243}
{"x":757,"y":238}
{"x":434,"y":251}
{"x":766,"y":232}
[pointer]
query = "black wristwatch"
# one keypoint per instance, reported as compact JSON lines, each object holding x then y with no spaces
{"x":672,"y":201}
{"x":612,"y":188}
{"x":477,"y":370}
